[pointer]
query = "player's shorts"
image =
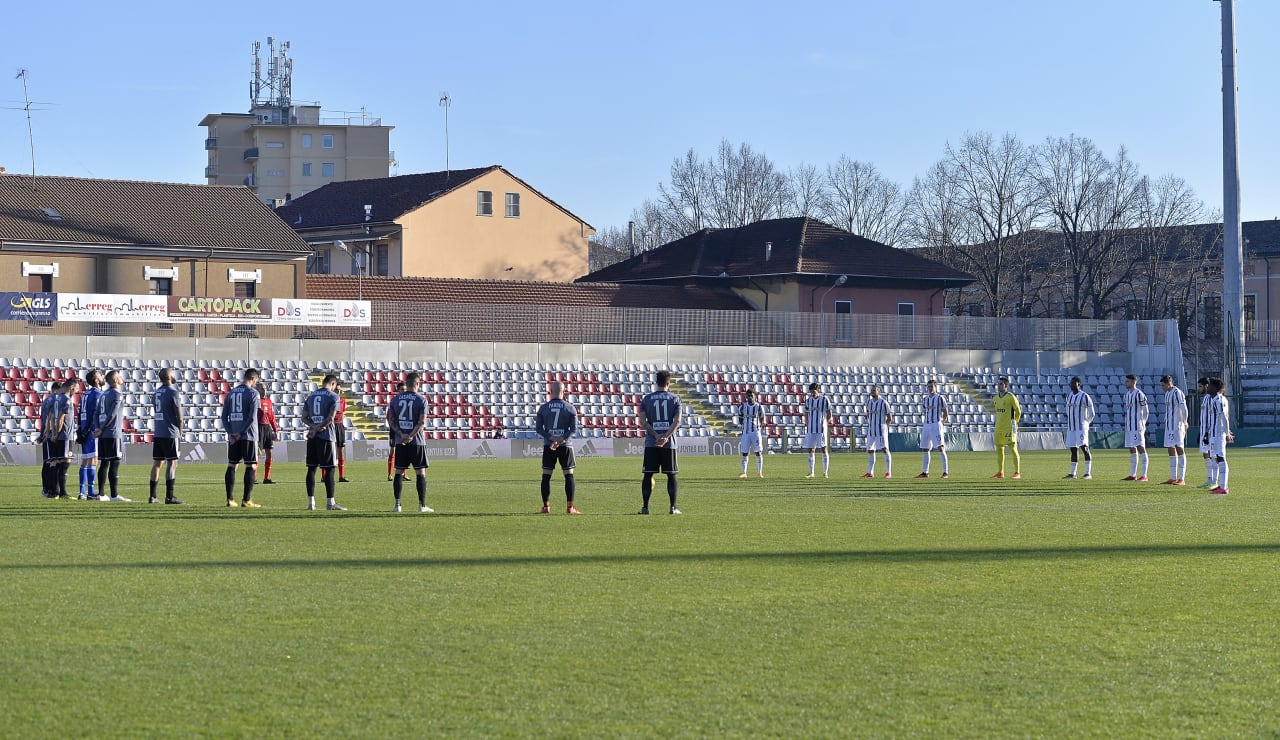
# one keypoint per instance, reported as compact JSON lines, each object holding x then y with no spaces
{"x":321,"y":454}
{"x":562,"y":455}
{"x":242,"y":451}
{"x":1218,"y":445}
{"x":813,"y":441}
{"x":89,"y":448}
{"x":340,"y":439}
{"x":109,"y":448}
{"x":411,"y":455}
{"x":877,"y":438}
{"x":1175,"y":436}
{"x":751,"y":442}
{"x":266,"y":437}
{"x":1006,"y":439}
{"x":660,"y":460}
{"x":1134,"y":438}
{"x":933,"y":435}
{"x":1078,"y":437}
{"x":164,"y":448}
{"x":55,"y":449}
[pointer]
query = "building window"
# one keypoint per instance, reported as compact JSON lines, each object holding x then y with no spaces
{"x":1213,"y":317}
{"x":245,"y":289}
{"x":1250,"y":316}
{"x":484,"y":202}
{"x":513,"y":205}
{"x":844,"y":321}
{"x":318,"y":263}
{"x":306,"y":141}
{"x":326,"y":141}
{"x":306,"y":169}
{"x":906,"y":323}
{"x":275,"y":173}
{"x":275,"y":145}
{"x":40,"y":284}
{"x":382,"y":260}
{"x":161,"y":286}
{"x":326,"y":169}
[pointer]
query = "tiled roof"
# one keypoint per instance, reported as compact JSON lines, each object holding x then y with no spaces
{"x":342,"y":203}
{"x":800,"y":246}
{"x":450,"y":290}
{"x":73,"y":210}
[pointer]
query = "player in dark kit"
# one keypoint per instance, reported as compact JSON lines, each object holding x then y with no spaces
{"x":555,"y":423}
{"x":167,"y":419}
{"x":240,"y":422}
{"x":318,"y":413}
{"x":84,"y":437}
{"x":108,"y":428}
{"x":660,"y":416}
{"x":54,"y":415}
{"x":406,"y":418}
{"x":391,"y":453}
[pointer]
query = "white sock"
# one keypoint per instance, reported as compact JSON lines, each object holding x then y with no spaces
{"x":1222,"y":474}
{"x":332,"y":501}
{"x":1182,"y":467}
{"x":1074,"y":464}
{"x":1173,"y":467}
{"x":826,"y":463}
{"x":871,"y":462}
{"x":943,"y":455}
{"x":1133,"y":464}
{"x":759,"y":464}
{"x":925,"y":462}
{"x":1146,"y":462}
{"x":1088,"y":466}
{"x":888,"y":462}
{"x":811,"y":461}
{"x":1210,"y":470}
{"x":744,"y":464}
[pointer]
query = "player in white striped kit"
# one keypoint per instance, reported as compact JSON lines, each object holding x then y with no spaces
{"x":1080,"y":414}
{"x":1210,"y":467}
{"x":751,"y":420}
{"x":1135,"y":427}
{"x":933,"y":434}
{"x":1217,"y":431}
{"x":879,"y":416}
{"x":1175,"y":431}
{"x":817,"y":416}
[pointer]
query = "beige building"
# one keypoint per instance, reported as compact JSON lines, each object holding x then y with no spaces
{"x":482,"y":223}
{"x":77,"y":235}
{"x":287,"y":151}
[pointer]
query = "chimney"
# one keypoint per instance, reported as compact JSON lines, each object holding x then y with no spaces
{"x":768,"y":251}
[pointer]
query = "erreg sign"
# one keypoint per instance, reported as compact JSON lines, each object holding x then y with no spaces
{"x":111,"y":307}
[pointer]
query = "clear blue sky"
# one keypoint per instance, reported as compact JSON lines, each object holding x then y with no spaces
{"x":589,"y":102}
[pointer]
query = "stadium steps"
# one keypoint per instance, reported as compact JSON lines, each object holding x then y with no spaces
{"x":701,"y":405}
{"x":976,"y":396}
{"x":362,"y":418}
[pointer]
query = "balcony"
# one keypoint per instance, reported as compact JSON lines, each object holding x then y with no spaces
{"x":251,"y":181}
{"x":211,"y":142}
{"x":250,"y":153}
{"x":211,"y":171}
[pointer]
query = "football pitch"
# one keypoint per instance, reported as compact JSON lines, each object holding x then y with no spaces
{"x":783,"y":606}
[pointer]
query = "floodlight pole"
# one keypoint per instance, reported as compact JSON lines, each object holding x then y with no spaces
{"x":1232,"y":231}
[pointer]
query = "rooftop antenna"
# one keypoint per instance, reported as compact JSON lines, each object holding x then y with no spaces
{"x":26,"y":105}
{"x":446,"y":100}
{"x":276,"y":89}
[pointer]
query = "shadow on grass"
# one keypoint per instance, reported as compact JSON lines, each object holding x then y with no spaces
{"x":890,"y":557}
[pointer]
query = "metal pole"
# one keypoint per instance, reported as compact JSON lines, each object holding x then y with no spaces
{"x":1232,"y":237}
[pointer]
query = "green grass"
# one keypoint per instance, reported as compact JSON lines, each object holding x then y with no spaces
{"x":792,"y":607}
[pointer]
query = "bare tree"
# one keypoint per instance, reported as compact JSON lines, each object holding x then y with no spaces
{"x":971,"y":206}
{"x":745,"y":186}
{"x":806,"y":192}
{"x":685,"y":204}
{"x":1165,"y":207}
{"x":864,"y":202}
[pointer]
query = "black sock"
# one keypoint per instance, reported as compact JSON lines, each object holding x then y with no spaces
{"x":546,"y":488}
{"x":250,"y":479}
{"x":46,"y":479}
{"x":422,"y":489}
{"x":311,"y":482}
{"x":397,"y":486}
{"x":62,"y":478}
{"x":331,"y":484}
{"x":113,"y":477}
{"x":169,"y":484}
{"x":154,"y":483}
{"x":646,"y":488}
{"x":569,"y":487}
{"x":672,"y":486}
{"x":229,"y":482}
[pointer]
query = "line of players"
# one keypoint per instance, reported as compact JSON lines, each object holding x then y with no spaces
{"x":249,"y":420}
{"x":1215,"y":430}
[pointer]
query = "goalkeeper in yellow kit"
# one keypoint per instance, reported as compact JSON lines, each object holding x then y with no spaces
{"x":1008,"y":414}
